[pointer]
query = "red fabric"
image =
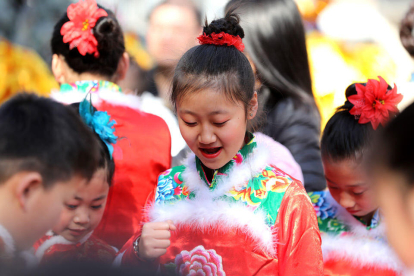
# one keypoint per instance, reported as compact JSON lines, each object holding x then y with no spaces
{"x":92,"y":250}
{"x":337,"y":267}
{"x":298,"y":248}
{"x":145,"y":144}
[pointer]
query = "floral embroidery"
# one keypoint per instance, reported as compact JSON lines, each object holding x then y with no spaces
{"x":199,"y":261}
{"x":89,"y":87}
{"x":322,"y":207}
{"x":171,"y":187}
{"x":165,"y":189}
{"x":238,"y":158}
{"x":264,"y":192}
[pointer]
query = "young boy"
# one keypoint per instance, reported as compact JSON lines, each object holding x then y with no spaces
{"x":46,"y":153}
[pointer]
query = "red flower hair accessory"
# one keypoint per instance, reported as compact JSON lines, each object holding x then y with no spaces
{"x":222,"y":39}
{"x":374,"y":102}
{"x":78,"y":31}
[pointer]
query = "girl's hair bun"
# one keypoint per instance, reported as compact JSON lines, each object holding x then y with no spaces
{"x":230,"y":24}
{"x":406,"y":31}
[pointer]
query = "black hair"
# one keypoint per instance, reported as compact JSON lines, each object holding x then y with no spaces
{"x":394,"y":149}
{"x":111,"y":47}
{"x":344,"y":137}
{"x":275,"y":42}
{"x":406,"y":31}
{"x":218,"y":67}
{"x":105,"y":160}
{"x":39,"y":134}
{"x":183,"y":3}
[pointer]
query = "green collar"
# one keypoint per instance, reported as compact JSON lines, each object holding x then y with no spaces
{"x":223,"y":171}
{"x":89,"y":86}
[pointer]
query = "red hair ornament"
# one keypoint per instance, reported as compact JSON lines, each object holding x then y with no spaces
{"x":222,"y":39}
{"x":78,"y":31}
{"x":374,"y":103}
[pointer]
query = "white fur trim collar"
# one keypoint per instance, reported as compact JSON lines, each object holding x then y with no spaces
{"x":207,"y":211}
{"x":57,"y":240}
{"x":9,"y":248}
{"x":108,"y":95}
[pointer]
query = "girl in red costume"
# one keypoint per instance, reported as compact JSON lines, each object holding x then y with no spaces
{"x":73,"y":239}
{"x":227,"y":210}
{"x":352,"y":230}
{"x":89,"y":57}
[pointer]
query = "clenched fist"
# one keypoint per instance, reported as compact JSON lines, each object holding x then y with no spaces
{"x":155,"y":239}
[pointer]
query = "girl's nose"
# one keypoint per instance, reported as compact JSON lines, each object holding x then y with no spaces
{"x":346,"y":200}
{"x":207,"y":137}
{"x":81,"y":217}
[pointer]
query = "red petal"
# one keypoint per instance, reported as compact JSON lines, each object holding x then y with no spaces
{"x":383,"y":85}
{"x":68,"y":26}
{"x":70,"y":36}
{"x":71,"y":11}
{"x":100,"y":13}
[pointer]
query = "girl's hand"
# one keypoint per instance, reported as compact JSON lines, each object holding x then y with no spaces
{"x":155,"y":239}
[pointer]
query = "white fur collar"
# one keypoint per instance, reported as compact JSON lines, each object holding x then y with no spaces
{"x":238,"y":174}
{"x":9,"y":248}
{"x":108,"y":95}
{"x":57,"y":240}
{"x":207,"y":212}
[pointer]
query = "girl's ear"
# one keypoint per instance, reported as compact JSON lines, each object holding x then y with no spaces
{"x":27,"y":186}
{"x":58,"y":68}
{"x":253,"y":107}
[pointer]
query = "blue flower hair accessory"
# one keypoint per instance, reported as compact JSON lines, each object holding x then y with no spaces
{"x":100,"y":122}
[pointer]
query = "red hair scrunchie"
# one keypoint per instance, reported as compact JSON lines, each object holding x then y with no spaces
{"x":222,"y":39}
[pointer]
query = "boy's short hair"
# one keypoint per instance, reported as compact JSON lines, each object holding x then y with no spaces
{"x":39,"y":134}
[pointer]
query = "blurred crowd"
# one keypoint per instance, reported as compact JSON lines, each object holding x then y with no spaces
{"x":318,"y":82}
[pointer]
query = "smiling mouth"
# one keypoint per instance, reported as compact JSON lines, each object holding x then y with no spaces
{"x":77,"y":232}
{"x":211,"y":152}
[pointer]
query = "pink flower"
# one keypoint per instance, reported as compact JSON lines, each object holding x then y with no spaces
{"x":238,"y":158}
{"x":177,"y":190}
{"x":78,"y":31}
{"x":199,"y":262}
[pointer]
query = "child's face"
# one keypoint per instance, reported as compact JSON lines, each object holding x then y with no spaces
{"x":397,"y":206}
{"x":84,"y":211}
{"x":213,"y":126}
{"x":44,"y":209}
{"x":348,"y":185}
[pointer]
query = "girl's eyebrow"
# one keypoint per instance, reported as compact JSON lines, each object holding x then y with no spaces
{"x":99,"y":198}
{"x":96,"y":199}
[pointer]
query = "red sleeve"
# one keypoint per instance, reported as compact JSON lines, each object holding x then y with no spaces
{"x":127,"y":255}
{"x":299,"y":241}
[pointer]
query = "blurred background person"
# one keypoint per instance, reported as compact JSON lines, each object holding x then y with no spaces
{"x":393,"y":175}
{"x":407,"y":40}
{"x":276,"y":47}
{"x":134,"y":83}
{"x":173,"y":28}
